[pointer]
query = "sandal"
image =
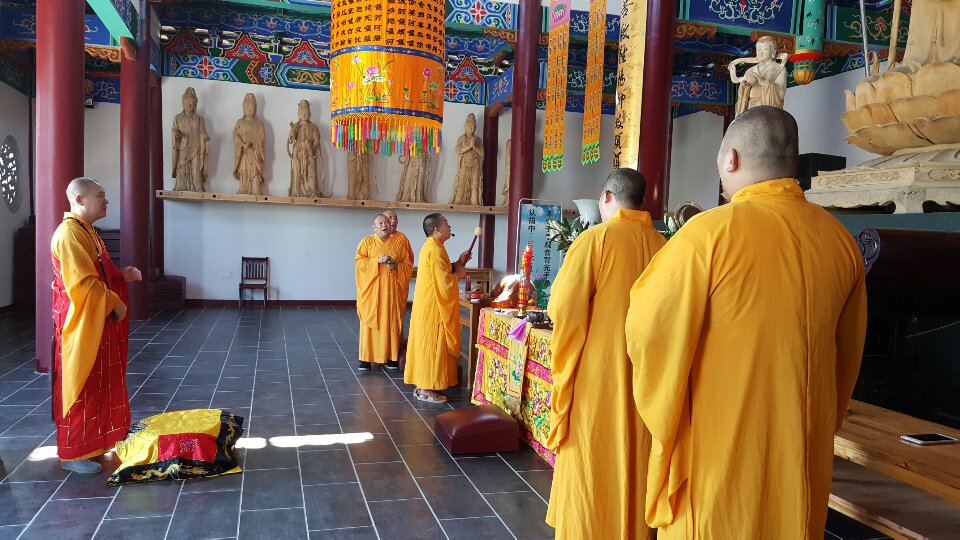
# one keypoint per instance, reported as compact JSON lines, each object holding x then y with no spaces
{"x":432,"y":397}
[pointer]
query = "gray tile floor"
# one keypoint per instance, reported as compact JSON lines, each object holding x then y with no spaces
{"x":291,"y":374}
{"x":288,"y":372}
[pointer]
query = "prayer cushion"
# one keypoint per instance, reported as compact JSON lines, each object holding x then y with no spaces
{"x":479,"y":429}
{"x":180,"y":445}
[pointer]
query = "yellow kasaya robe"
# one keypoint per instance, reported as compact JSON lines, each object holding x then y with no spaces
{"x":746,"y":333}
{"x":434,"y":343}
{"x":599,"y":439}
{"x":380,"y":293}
{"x":404,"y":242}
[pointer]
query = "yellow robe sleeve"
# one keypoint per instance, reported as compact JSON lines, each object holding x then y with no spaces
{"x":404,"y":271}
{"x":570,"y":304}
{"x":91,"y":302}
{"x":447,"y":300}
{"x":663,"y":331}
{"x":851,"y":334}
{"x":368,"y":283}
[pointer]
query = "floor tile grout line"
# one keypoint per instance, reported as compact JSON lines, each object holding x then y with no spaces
{"x":356,"y":475}
{"x":256,"y":363}
{"x":303,"y":495}
{"x":463,"y":472}
{"x":405,"y":465}
{"x":62,"y":482}
{"x":363,"y":494}
{"x":195,"y":358}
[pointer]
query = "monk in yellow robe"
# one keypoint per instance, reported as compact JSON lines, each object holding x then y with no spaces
{"x":434,"y":344}
{"x":383,"y":271}
{"x":746,"y":333}
{"x":400,"y":238}
{"x":90,"y":404}
{"x":595,"y":431}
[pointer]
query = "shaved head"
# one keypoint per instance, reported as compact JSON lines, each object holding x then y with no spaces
{"x":81,"y":186}
{"x":627,"y":186}
{"x":430,"y":223}
{"x":381,"y":226}
{"x":761,"y":144}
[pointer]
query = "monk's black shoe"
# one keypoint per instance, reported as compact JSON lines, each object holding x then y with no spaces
{"x":364,"y":366}
{"x":392,"y":364}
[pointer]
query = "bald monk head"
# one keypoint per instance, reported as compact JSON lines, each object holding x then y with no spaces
{"x":392,"y":219}
{"x":624,"y":188}
{"x":435,"y":226}
{"x":760,"y":145}
{"x":381,"y":227}
{"x":87,"y":199}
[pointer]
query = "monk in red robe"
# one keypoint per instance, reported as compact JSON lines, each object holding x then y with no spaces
{"x":90,"y":404}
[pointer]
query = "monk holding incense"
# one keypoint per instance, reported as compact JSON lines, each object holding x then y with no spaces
{"x":90,"y":404}
{"x":595,"y":431}
{"x":434,"y":344}
{"x":746,"y":333}
{"x":383,"y":270}
{"x":400,"y":238}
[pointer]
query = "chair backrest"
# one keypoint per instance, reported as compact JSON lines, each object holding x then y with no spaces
{"x":255,"y":269}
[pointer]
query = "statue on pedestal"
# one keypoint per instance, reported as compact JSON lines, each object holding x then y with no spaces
{"x":189,"y":146}
{"x":358,"y":176}
{"x":248,"y":147}
{"x":413,"y":181}
{"x":468,"y":185}
{"x":304,"y":156}
{"x":764,"y":83}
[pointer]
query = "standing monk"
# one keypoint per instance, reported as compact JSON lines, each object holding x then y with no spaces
{"x":595,"y":431}
{"x":383,"y":274}
{"x":404,"y":243}
{"x":90,"y":405}
{"x":434,"y":344}
{"x":746,"y":334}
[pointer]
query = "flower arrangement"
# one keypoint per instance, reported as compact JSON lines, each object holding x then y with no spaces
{"x":564,"y":232}
{"x":670,"y":226}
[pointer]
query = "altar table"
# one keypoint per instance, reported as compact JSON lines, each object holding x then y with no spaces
{"x":499,"y":375}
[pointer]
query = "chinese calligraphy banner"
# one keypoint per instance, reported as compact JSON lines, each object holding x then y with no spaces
{"x":593,"y":98}
{"x":533,"y":232}
{"x":387,"y":75}
{"x":556,"y":106}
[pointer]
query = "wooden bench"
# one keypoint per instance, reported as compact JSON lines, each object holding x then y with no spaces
{"x":903,"y":490}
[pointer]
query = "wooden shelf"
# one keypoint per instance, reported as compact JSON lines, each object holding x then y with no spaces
{"x":311,"y":201}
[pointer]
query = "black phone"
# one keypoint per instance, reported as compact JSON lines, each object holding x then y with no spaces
{"x":924,"y":439}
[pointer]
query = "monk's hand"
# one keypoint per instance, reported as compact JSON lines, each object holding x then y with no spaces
{"x":461,"y":272}
{"x":383,"y":258}
{"x":131,"y":273}
{"x":465,"y":258}
{"x":119,"y":312}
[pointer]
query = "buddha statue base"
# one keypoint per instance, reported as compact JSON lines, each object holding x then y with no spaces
{"x":908,"y":178}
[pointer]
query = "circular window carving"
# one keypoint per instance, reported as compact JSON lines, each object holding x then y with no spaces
{"x":10,"y":173}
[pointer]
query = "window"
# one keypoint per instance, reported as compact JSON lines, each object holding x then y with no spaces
{"x":9,"y":173}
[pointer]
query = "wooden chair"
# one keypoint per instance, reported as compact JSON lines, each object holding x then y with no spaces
{"x":255,"y":275}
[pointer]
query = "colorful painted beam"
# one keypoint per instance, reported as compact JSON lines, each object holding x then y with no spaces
{"x":120,"y":16}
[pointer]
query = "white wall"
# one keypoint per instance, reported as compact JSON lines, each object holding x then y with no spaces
{"x":818,"y":107}
{"x":101,"y":155}
{"x":693,"y":160}
{"x":15,"y":121}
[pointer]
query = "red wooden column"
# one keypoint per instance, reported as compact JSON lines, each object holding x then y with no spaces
{"x":59,"y":143}
{"x":526,"y":71}
{"x":135,"y":166}
{"x":655,"y":111}
{"x":156,"y":177}
{"x":491,"y":136}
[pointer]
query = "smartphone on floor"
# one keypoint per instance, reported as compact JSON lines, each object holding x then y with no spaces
{"x":925,"y":439}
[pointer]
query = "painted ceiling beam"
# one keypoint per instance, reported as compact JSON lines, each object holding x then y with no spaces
{"x":120,"y":16}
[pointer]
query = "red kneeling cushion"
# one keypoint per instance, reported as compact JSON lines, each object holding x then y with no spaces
{"x":477,"y":430}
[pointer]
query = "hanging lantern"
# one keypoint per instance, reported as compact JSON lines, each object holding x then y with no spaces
{"x":387,"y":75}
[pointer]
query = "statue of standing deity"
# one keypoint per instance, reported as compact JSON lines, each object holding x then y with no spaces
{"x":304,"y":155}
{"x":764,"y":83}
{"x":248,"y":145}
{"x":189,"y":146}
{"x":413,"y":181}
{"x":468,"y":185}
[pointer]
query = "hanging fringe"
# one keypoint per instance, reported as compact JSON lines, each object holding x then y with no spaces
{"x":386,"y":135}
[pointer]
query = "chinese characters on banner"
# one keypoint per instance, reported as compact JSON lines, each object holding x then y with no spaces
{"x":546,"y":260}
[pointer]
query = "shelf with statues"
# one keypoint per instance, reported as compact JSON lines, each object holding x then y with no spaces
{"x":319,"y":201}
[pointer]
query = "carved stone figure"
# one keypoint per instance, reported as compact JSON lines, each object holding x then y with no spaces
{"x":764,"y":83}
{"x":468,"y":185}
{"x":506,"y":172}
{"x":304,"y":155}
{"x":413,"y":181}
{"x":189,"y":146}
{"x":248,"y":146}
{"x":358,"y":176}
{"x":932,"y":35}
